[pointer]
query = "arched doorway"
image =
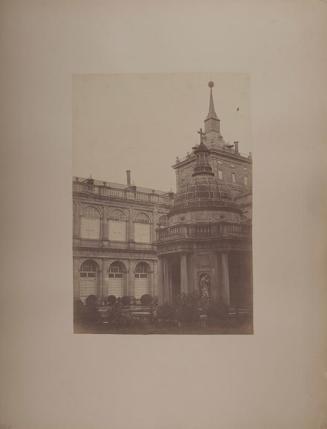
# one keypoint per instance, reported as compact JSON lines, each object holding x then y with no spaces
{"x":142,"y":281}
{"x":88,"y":279}
{"x":117,"y":278}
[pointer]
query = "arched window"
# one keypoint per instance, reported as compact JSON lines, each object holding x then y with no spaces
{"x":163,"y":220}
{"x":88,"y":269}
{"x":88,"y":279}
{"x":233,"y":178}
{"x":141,"y":270}
{"x":142,"y":218}
{"x":90,"y":223}
{"x":142,"y":228}
{"x":117,"y":279}
{"x":142,"y":280}
{"x":116,"y":270}
{"x":117,"y":226}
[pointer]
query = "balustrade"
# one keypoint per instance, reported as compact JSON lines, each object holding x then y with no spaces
{"x":121,"y":194}
{"x":202,"y":230}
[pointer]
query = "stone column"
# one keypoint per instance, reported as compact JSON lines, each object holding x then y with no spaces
{"x":130,"y":279}
{"x":225,"y":278}
{"x":154,"y":279}
{"x":102,"y":279}
{"x":76,"y":265}
{"x":76,"y":220}
{"x":153,"y":226}
{"x":130,"y":226}
{"x":99,"y":278}
{"x":104,"y":228}
{"x":183,"y":267}
{"x":166,"y":282}
{"x":160,"y":285}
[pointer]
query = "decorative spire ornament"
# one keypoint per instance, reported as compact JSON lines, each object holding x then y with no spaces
{"x":212,"y":113}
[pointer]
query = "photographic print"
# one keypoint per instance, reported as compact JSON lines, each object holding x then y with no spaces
{"x":162,"y":204}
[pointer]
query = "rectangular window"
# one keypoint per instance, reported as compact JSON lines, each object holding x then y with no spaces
{"x":245,"y":180}
{"x":220,"y":175}
{"x":142,"y":232}
{"x":233,"y":178}
{"x":117,"y":230}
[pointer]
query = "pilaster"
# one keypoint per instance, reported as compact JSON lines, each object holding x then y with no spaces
{"x":183,"y":268}
{"x":225,"y":278}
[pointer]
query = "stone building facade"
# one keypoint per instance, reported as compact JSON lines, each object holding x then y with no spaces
{"x":131,"y":241}
{"x":113,"y":238}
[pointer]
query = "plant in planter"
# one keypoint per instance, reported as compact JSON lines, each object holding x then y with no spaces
{"x":91,"y":301}
{"x":146,"y":299}
{"x":111,"y":300}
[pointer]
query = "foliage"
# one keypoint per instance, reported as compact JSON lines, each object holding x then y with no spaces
{"x":91,"y":301}
{"x":188,"y":308}
{"x":125,"y":300}
{"x":166,"y":312}
{"x":90,"y":312}
{"x":111,"y":300}
{"x":146,"y":299}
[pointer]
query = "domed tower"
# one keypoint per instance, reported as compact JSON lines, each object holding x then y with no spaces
{"x":206,"y":234}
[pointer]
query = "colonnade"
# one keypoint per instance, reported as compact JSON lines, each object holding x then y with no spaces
{"x":188,"y":277}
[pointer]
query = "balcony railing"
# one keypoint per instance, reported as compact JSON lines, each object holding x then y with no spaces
{"x":122,"y":194}
{"x":203,"y":230}
{"x":114,"y":245}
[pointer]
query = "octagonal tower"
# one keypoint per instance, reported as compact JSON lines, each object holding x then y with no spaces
{"x":206,"y":246}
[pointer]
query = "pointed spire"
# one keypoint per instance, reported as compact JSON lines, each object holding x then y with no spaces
{"x":213,"y":138}
{"x":212,"y":113}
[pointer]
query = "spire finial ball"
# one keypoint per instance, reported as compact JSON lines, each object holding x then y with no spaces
{"x":210,"y":84}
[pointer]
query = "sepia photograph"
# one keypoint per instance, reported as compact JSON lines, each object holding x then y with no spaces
{"x":163,"y":214}
{"x":162,"y":245}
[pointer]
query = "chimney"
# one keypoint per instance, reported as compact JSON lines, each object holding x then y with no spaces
{"x":128,"y":175}
{"x":236,"y":147}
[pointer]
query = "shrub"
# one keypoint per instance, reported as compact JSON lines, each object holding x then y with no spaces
{"x":90,"y":313}
{"x":91,"y":301}
{"x":146,"y":299}
{"x":166,"y":312}
{"x":111,"y":300}
{"x":187,"y":312}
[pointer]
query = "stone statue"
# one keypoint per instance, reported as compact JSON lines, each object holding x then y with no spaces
{"x":204,"y":285}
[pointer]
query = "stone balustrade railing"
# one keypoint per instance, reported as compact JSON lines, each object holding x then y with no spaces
{"x":122,"y":194}
{"x":203,"y":230}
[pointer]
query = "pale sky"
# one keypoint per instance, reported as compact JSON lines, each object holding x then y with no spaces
{"x":142,"y":122}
